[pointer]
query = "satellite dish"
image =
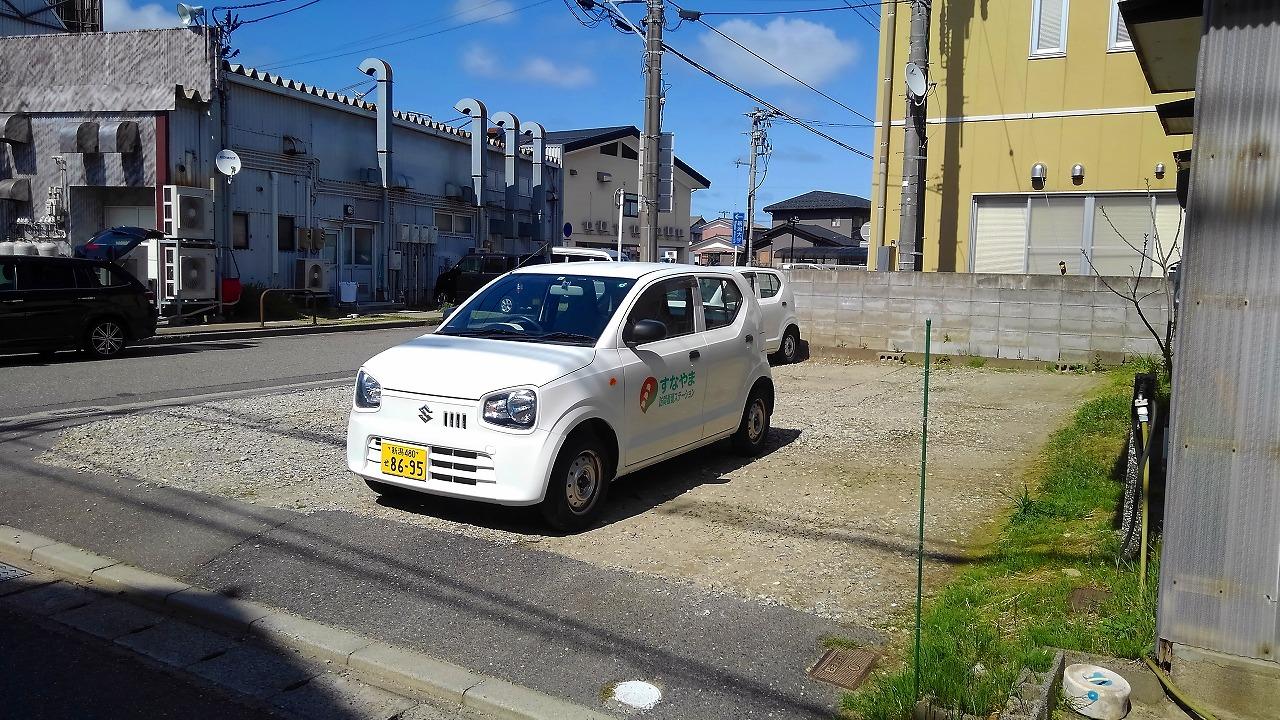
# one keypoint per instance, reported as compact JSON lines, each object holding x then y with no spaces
{"x":917,"y":83}
{"x":865,"y":230}
{"x":188,"y":13}
{"x":228,"y":163}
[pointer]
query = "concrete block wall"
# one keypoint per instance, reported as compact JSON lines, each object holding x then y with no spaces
{"x":1025,"y":317}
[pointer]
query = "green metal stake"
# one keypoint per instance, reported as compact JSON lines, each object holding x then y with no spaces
{"x":924,"y":446}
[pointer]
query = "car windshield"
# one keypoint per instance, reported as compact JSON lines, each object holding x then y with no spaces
{"x":570,"y":309}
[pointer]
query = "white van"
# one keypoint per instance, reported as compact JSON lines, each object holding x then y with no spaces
{"x":778,"y":307}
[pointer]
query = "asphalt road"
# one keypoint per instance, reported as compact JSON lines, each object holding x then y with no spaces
{"x":50,"y":672}
{"x":70,"y":380}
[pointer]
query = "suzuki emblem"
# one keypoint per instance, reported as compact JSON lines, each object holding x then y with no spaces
{"x":424,"y":413}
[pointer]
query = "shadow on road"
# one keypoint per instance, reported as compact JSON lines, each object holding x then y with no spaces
{"x":631,"y":495}
{"x":66,"y":357}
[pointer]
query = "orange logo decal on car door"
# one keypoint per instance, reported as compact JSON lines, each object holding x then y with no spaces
{"x":648,"y":391}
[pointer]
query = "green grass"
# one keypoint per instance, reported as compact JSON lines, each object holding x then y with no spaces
{"x":1003,"y":611}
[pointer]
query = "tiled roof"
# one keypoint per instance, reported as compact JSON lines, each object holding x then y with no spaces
{"x":821,"y":200}
{"x":816,"y":234}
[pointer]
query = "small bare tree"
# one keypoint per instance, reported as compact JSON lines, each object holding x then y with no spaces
{"x":1161,"y":254}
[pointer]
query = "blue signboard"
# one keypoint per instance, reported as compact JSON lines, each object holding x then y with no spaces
{"x":739,"y":226}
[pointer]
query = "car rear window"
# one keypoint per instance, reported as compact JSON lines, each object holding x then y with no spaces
{"x":46,"y":276}
{"x":99,"y":276}
{"x":770,"y":284}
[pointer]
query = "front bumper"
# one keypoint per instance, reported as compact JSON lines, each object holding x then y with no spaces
{"x":465,"y":458}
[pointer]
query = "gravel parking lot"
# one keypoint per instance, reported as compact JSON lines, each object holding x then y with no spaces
{"x":825,"y":522}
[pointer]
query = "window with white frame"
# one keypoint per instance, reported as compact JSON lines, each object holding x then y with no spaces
{"x":1049,"y":27}
{"x":1118,"y":34}
{"x":1123,"y":234}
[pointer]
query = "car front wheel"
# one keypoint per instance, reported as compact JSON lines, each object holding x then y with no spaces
{"x":790,"y":349}
{"x":752,"y":433}
{"x":578,"y":485}
{"x":105,"y":339}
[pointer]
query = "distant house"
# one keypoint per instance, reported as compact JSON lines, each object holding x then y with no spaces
{"x":599,"y":161}
{"x":818,"y":226}
{"x":714,"y":242}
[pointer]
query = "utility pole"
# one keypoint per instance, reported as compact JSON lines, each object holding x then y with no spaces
{"x":654,"y":20}
{"x":914,"y":150}
{"x":759,"y":145}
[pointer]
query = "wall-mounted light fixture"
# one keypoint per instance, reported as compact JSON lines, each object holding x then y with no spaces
{"x":1077,"y":173}
{"x":1160,"y":170}
{"x":1038,"y":174}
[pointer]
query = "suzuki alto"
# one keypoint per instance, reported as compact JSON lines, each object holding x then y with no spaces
{"x":553,"y":380}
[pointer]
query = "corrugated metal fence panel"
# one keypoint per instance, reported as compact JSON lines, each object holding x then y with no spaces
{"x":1220,"y":572}
{"x":134,"y":71}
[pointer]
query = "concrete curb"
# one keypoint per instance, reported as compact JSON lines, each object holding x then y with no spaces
{"x":382,"y":665}
{"x":209,"y":335}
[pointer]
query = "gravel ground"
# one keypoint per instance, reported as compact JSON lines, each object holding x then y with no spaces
{"x":825,"y":522}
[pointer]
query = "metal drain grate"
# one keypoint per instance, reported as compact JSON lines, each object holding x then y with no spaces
{"x":843,"y":667}
{"x":9,"y":572}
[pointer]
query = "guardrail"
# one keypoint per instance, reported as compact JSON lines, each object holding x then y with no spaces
{"x":262,"y":303}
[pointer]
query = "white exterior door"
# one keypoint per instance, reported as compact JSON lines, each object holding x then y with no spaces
{"x":663,"y":381}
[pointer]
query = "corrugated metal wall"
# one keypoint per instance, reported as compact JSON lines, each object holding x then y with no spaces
{"x":1220,"y":573}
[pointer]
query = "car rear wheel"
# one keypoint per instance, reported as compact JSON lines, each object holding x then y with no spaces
{"x":579,"y":483}
{"x":753,"y":431}
{"x":105,"y":339}
{"x":789,"y":351}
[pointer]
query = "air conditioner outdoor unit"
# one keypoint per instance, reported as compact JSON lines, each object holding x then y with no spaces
{"x":635,"y":231}
{"x":468,"y":194}
{"x":452,"y":191}
{"x":188,"y":212}
{"x":602,"y":226}
{"x":588,"y":226}
{"x":313,"y":275}
{"x":679,"y":232}
{"x":193,"y":273}
{"x":430,"y":235}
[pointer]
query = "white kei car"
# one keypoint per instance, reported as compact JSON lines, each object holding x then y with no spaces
{"x":552,"y":380}
{"x":778,"y":308}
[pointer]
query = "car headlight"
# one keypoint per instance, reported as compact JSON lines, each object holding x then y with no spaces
{"x":511,"y":408}
{"x":368,"y":392}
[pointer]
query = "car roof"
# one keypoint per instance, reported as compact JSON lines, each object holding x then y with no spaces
{"x":634,"y":270}
{"x":53,"y":258}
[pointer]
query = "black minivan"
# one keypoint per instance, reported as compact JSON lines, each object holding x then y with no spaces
{"x":57,"y":303}
{"x":474,"y":271}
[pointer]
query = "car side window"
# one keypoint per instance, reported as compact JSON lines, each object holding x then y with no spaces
{"x":721,"y":301}
{"x":751,"y":279}
{"x":670,"y":302}
{"x":471,"y":263}
{"x":770,"y":284}
{"x":495,"y":265}
{"x":8,"y":278}
{"x":46,"y":276}
{"x":98,"y":276}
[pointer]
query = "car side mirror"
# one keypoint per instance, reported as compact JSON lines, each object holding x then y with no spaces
{"x":645,"y":332}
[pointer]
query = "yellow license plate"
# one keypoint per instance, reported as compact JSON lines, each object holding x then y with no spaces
{"x":404,"y":461}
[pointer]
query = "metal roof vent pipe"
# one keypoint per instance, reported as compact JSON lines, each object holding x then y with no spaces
{"x":381,"y":72}
{"x":479,"y":115}
{"x":1038,"y":175}
{"x":510,"y":125}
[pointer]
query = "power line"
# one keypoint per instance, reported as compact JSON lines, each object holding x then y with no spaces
{"x":699,"y":66}
{"x":801,"y":11}
{"x":858,"y":12}
{"x":216,"y":8}
{"x":771,"y":64}
{"x":309,"y":3}
{"x":405,"y":40}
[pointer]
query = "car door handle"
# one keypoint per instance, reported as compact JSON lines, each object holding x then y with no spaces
{"x":751,"y":339}
{"x":694,"y":354}
{"x":88,"y":297}
{"x":784,"y":303}
{"x":14,"y":301}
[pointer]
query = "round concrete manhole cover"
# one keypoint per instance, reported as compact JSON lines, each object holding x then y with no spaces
{"x":637,"y":694}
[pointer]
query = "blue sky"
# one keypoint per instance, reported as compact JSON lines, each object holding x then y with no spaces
{"x":535,"y":60}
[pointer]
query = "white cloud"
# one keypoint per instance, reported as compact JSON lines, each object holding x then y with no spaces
{"x":808,"y":50}
{"x":123,"y":15}
{"x":473,"y":10}
{"x":479,"y":61}
{"x":542,"y":70}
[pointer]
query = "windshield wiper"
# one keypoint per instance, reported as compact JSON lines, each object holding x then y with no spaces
{"x":486,"y":332}
{"x":570,"y":336}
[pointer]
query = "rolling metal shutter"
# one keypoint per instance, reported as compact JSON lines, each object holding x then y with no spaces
{"x":1000,"y":235}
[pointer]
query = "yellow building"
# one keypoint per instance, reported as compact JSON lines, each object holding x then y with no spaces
{"x":1021,"y":83}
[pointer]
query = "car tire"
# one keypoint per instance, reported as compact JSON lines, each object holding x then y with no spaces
{"x":753,"y":431}
{"x":579,"y":484}
{"x":789,"y":349}
{"x":105,"y":339}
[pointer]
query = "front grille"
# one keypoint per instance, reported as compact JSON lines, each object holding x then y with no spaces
{"x":455,"y":420}
{"x":445,"y":464}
